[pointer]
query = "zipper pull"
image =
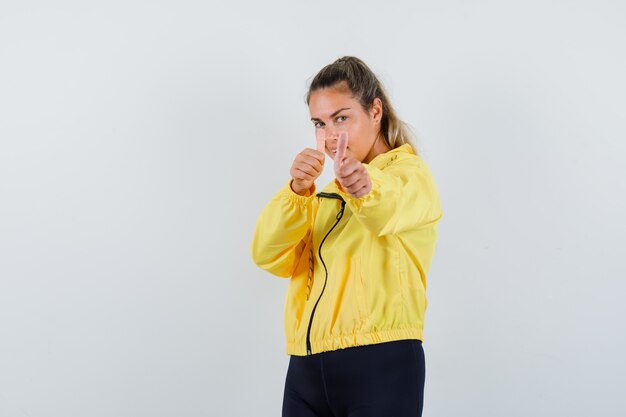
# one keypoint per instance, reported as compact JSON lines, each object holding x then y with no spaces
{"x":338,"y":216}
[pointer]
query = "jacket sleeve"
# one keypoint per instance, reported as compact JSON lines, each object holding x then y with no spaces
{"x":404,"y":196}
{"x":280,"y":230}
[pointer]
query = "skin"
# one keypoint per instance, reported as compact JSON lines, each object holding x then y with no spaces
{"x":342,"y":125}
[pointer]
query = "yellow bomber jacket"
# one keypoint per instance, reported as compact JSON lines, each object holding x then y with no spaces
{"x":357,"y":266}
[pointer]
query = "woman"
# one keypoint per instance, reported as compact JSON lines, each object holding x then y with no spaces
{"x":357,"y":254}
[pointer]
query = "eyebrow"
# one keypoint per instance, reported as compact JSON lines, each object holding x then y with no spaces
{"x":332,"y":115}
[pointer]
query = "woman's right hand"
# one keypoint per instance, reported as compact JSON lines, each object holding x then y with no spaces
{"x":306,"y":168}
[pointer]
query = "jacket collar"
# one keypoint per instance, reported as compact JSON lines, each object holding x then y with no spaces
{"x":380,"y":160}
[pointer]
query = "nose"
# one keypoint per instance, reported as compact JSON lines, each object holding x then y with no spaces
{"x":332,"y":132}
{"x":327,"y":136}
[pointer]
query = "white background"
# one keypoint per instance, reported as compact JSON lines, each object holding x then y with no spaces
{"x":140,"y":140}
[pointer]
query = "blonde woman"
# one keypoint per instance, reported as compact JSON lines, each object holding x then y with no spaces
{"x":356,"y":254}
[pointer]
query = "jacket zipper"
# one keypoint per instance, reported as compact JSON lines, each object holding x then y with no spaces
{"x":338,"y":217}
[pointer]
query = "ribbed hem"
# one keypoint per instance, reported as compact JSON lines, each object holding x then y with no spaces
{"x":351,"y":340}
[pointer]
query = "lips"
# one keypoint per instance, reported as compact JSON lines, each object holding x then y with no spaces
{"x":333,"y":151}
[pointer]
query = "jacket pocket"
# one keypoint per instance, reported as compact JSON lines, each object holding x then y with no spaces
{"x":360,"y":290}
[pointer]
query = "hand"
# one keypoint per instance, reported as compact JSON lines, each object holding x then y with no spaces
{"x":350,"y":173}
{"x":307,"y":166}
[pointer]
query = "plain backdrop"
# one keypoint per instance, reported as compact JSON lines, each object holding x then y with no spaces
{"x":139,"y":141}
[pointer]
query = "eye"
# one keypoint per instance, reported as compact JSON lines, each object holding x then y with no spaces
{"x":317,"y":124}
{"x":339,"y":117}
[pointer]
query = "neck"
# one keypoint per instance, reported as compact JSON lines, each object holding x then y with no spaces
{"x":378,"y":147}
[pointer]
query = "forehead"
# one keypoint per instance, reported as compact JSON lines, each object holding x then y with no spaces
{"x":325,"y":101}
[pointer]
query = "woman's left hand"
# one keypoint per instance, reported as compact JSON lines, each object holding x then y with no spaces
{"x":350,"y":173}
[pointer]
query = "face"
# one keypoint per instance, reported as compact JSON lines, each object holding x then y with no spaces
{"x":334,"y":110}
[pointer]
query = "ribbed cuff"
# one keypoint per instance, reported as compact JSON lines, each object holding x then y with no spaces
{"x":297,"y":199}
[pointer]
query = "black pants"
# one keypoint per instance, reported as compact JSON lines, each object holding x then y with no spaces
{"x":379,"y":380}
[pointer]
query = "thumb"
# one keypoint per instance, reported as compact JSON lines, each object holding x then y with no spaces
{"x":320,"y":137}
{"x":342,"y":145}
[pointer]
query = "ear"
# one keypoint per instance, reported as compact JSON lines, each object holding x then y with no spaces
{"x":376,"y":110}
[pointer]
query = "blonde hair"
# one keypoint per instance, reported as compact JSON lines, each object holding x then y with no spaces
{"x":365,"y":87}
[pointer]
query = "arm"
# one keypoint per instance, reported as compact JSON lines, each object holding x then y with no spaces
{"x":403,"y":196}
{"x":280,"y":230}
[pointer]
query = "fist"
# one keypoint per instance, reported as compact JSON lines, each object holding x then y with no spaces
{"x":350,"y":173}
{"x":305,"y":169}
